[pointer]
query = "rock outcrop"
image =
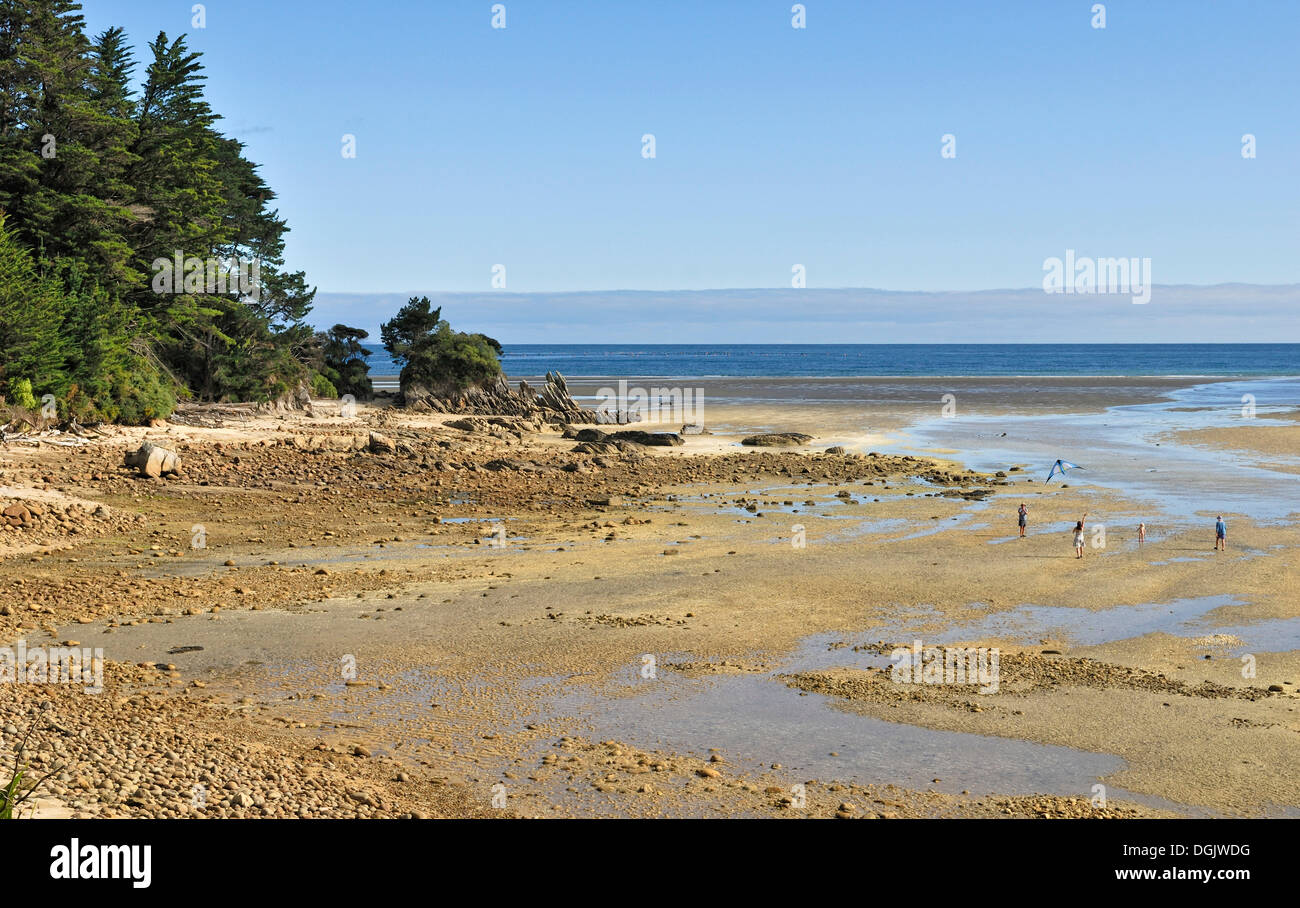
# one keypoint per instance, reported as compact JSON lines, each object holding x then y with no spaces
{"x":777,"y":439}
{"x":550,"y":403}
{"x":498,"y":426}
{"x":298,"y":399}
{"x":655,"y":439}
{"x":594,"y":441}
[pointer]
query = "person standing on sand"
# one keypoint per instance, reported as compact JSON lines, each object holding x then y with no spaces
{"x":1023,"y":514}
{"x":1078,"y":536}
{"x":1142,"y":533}
{"x":1220,"y":534}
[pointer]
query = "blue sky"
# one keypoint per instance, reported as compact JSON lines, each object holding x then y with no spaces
{"x":775,"y":146}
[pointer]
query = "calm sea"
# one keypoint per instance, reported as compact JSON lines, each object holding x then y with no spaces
{"x":826,"y":360}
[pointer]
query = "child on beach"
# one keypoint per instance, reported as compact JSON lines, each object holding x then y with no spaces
{"x":1078,"y":536}
{"x":1142,"y":533}
{"x":1220,"y":534}
{"x":1023,"y":514}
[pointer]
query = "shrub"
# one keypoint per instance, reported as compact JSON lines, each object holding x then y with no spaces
{"x":433,"y":355}
{"x":20,"y":393}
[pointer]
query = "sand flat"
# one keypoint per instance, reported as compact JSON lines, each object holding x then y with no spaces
{"x":620,"y":645}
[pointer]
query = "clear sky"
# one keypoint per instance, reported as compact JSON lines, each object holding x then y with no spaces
{"x":775,"y":146}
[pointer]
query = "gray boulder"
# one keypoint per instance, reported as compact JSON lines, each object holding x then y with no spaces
{"x":153,"y":461}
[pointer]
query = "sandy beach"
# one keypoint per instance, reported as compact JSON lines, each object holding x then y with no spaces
{"x":384,"y":615}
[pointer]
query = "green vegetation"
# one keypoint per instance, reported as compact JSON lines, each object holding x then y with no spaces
{"x":22,"y":786}
{"x":102,"y":187}
{"x":435,"y":357}
{"x":343,"y":361}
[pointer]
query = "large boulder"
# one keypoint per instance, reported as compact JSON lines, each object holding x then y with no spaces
{"x":16,"y":515}
{"x":381,"y":444}
{"x":153,"y":461}
{"x":636,"y":436}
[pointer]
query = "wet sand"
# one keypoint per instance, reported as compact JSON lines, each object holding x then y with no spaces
{"x":1272,"y":447}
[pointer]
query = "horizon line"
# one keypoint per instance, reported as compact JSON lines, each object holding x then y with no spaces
{"x":914,"y":344}
{"x":1039,"y":289}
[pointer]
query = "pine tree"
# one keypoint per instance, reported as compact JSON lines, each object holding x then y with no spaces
{"x":434,"y":356}
{"x":99,"y":182}
{"x":344,"y":361}
{"x":31,"y":315}
{"x":178,"y":198}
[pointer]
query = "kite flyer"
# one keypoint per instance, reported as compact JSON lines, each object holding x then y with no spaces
{"x":1078,"y":536}
{"x":1023,"y":514}
{"x":1220,"y":534}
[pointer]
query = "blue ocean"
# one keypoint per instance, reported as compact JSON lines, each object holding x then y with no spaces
{"x":688,"y":361}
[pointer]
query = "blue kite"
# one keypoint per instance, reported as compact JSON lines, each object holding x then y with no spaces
{"x":1061,"y":466}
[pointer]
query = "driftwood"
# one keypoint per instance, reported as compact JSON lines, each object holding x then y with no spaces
{"x":215,"y":415}
{"x":211,"y":416}
{"x":35,"y":430}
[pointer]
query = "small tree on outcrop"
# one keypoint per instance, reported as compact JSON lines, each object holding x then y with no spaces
{"x":435,"y":357}
{"x":343,"y":361}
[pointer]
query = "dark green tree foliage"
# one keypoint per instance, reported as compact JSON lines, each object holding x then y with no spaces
{"x":66,"y":336}
{"x":434,"y":356}
{"x":343,"y":361}
{"x":413,"y":324}
{"x":100,"y":183}
{"x":110,"y":372}
{"x":31,"y":314}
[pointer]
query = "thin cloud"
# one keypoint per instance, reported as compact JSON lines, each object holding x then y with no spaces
{"x":1224,"y":313}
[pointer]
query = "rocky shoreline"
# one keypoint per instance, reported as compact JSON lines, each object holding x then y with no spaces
{"x":402,"y":520}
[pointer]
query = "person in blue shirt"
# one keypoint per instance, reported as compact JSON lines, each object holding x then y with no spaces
{"x":1220,"y":534}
